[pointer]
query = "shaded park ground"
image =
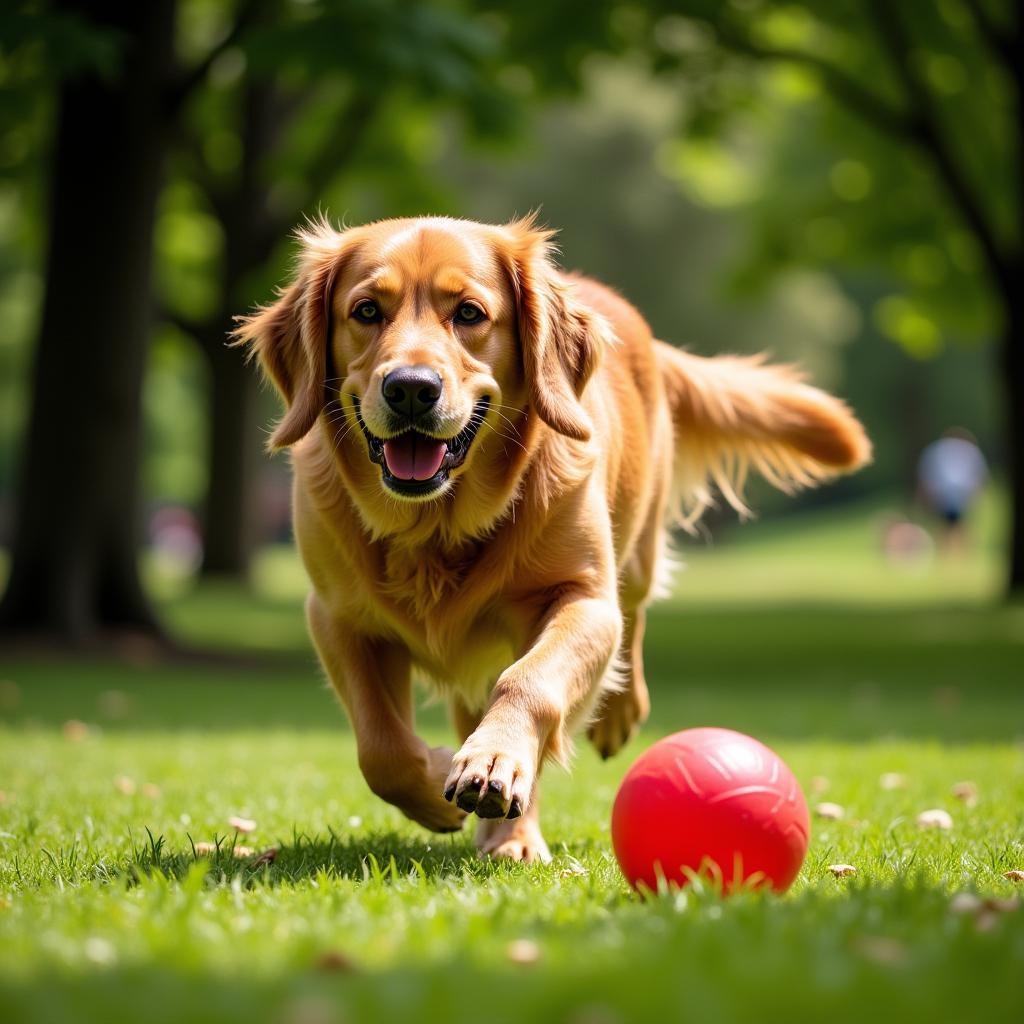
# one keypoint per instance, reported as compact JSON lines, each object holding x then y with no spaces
{"x":111,"y":774}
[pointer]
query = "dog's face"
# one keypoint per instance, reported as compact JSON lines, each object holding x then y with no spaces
{"x":426,"y":350}
{"x":419,"y":340}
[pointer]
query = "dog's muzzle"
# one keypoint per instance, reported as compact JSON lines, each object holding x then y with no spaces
{"x":415,"y":464}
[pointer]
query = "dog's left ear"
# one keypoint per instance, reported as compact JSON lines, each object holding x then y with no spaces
{"x":561,"y":339}
{"x":290,"y":337}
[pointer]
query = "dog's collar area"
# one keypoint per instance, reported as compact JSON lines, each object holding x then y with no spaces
{"x":457,"y":450}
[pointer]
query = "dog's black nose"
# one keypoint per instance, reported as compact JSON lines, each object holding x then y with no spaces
{"x":412,"y":390}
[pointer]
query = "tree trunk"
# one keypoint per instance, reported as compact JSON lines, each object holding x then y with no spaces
{"x":230,"y":515}
{"x":230,"y":521}
{"x":252,"y":227}
{"x":1013,"y":377}
{"x":74,"y":575}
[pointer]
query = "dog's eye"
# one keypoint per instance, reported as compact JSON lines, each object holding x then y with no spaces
{"x":367,"y":312}
{"x":468,"y":313}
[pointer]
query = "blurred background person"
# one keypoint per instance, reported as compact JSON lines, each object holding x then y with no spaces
{"x":951,"y":473}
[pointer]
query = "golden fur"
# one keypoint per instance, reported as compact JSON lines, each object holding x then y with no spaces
{"x":517,"y":588}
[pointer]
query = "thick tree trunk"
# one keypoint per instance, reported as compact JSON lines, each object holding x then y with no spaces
{"x":74,"y":572}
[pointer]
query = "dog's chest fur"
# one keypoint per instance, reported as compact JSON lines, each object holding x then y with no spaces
{"x":456,"y":637}
{"x":423,"y":578}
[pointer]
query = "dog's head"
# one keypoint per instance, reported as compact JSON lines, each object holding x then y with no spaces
{"x":419,"y":341}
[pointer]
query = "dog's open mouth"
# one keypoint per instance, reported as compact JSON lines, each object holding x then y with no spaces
{"x":415,"y":464}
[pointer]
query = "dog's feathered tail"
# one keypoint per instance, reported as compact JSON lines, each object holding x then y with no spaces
{"x":734,"y":413}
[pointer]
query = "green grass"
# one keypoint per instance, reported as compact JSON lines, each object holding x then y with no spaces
{"x":106,"y":913}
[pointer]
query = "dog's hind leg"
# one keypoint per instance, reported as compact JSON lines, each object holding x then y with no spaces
{"x":626,"y":708}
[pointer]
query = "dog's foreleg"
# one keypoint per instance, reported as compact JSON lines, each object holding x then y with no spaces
{"x":535,"y":705}
{"x":372,"y":677}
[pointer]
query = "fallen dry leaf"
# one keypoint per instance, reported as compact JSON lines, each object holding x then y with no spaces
{"x":266,"y":857}
{"x":842,"y":870}
{"x":985,"y":921}
{"x":75,"y":730}
{"x":204,"y":849}
{"x":827,"y":810}
{"x":242,"y":824}
{"x":1014,"y":875}
{"x":575,"y":869}
{"x":150,"y":789}
{"x":125,"y":785}
{"x":1001,"y":906}
{"x":935,"y":818}
{"x":893,"y":780}
{"x":523,"y":951}
{"x":880,"y":949}
{"x":115,"y":704}
{"x":985,"y":912}
{"x":965,"y":903}
{"x":965,"y":791}
{"x":819,"y":784}
{"x":334,"y":962}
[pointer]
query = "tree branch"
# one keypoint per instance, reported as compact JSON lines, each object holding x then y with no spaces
{"x":929,"y":137}
{"x":193,"y":77}
{"x":998,"y":39}
{"x":917,"y":124}
{"x":330,"y":161}
{"x":886,"y":116}
{"x":208,"y":333}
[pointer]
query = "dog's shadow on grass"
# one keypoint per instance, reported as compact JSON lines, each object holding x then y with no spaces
{"x":374,"y":857}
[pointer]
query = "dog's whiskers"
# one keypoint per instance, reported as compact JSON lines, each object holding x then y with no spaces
{"x":345,"y":425}
{"x":501,"y":433}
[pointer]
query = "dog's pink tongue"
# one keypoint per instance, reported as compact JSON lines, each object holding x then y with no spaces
{"x":413,"y":456}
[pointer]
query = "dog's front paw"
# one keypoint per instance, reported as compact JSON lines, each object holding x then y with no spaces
{"x":492,"y":782}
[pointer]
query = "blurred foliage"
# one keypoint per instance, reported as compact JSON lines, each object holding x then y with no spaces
{"x":176,"y":420}
{"x":676,"y":256}
{"x":828,"y":123}
{"x":695,"y":154}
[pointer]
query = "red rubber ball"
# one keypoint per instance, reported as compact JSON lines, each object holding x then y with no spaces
{"x":713,"y":802}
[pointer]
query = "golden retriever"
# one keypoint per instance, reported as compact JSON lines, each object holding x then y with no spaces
{"x":486,"y":453}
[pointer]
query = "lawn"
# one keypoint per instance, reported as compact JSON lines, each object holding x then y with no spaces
{"x":111,"y":775}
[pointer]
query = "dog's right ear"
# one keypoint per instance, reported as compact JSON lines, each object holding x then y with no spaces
{"x":291,"y":336}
